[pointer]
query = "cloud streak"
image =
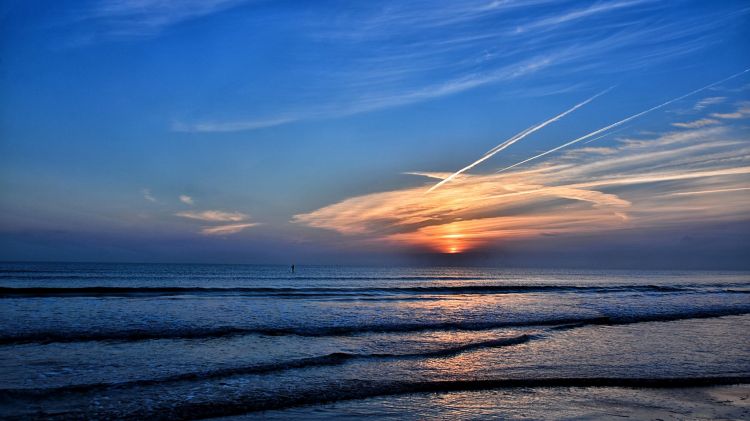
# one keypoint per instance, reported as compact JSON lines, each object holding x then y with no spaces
{"x":706,"y":102}
{"x":227,"y":229}
{"x":696,"y":123}
{"x":742,"y":111}
{"x":401,"y":53}
{"x":143,"y":18}
{"x":214,"y":216}
{"x":148,"y":196}
{"x":574,"y":15}
{"x":230,"y":126}
{"x":227,"y":222}
{"x":379,"y":101}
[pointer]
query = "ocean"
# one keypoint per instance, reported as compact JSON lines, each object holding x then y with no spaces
{"x":173,"y":341}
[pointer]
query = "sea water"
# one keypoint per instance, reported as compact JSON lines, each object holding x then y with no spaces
{"x":200,"y":341}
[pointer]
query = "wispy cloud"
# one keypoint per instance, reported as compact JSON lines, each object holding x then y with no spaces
{"x":705,"y":102}
{"x":148,"y":196}
{"x":743,"y":111}
{"x":227,"y":229}
{"x":696,"y":123}
{"x":230,"y":126}
{"x":186,"y":199}
{"x":402,"y":53}
{"x":226,"y":223}
{"x":578,"y":14}
{"x":377,"y":101}
{"x":214,"y":216}
{"x":143,"y":18}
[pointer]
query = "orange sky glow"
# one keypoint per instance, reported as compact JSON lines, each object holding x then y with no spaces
{"x":641,"y":182}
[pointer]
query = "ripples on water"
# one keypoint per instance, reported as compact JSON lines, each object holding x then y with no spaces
{"x":192,"y":341}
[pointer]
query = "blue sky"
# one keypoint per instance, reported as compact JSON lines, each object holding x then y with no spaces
{"x":262,"y":131}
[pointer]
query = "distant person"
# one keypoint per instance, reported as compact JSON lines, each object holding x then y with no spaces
{"x":292,"y":268}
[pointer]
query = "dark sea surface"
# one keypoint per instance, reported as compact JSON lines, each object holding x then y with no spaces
{"x":240,"y":341}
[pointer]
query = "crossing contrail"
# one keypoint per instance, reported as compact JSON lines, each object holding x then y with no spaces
{"x":515,"y":139}
{"x":623,"y":121}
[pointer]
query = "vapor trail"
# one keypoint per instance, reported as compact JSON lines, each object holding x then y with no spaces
{"x":605,"y":135}
{"x":515,"y":139}
{"x":691,"y":193}
{"x":623,"y":121}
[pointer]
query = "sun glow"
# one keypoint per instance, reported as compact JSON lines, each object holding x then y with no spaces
{"x":586,"y":190}
{"x":451,"y":243}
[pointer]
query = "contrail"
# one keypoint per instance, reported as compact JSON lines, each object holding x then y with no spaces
{"x":605,"y":135}
{"x":515,"y":139}
{"x":691,"y":193}
{"x":623,"y":121}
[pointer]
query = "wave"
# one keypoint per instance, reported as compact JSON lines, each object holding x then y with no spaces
{"x":330,"y":359}
{"x":100,"y":291}
{"x":325,"y":360}
{"x":323,"y":331}
{"x":362,"y":389}
{"x":228,"y":331}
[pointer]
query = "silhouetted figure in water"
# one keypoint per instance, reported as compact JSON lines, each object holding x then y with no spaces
{"x":292,"y":268}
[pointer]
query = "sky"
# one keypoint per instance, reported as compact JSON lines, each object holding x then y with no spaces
{"x":610,"y":133}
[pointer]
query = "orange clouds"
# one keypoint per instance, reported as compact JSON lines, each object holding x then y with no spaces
{"x":638,"y":183}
